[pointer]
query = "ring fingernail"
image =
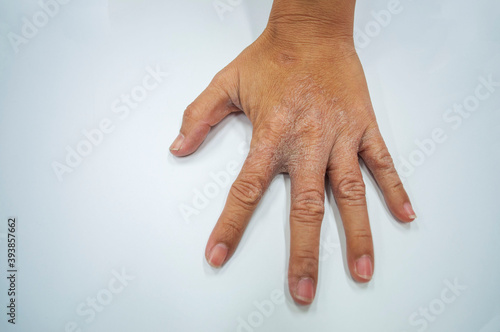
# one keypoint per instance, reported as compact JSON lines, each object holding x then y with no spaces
{"x":305,"y":290}
{"x":218,"y":255}
{"x":364,"y":267}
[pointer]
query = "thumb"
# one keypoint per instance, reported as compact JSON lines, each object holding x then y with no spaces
{"x":211,"y":106}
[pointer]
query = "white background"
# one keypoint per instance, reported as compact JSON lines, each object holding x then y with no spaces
{"x":119,"y":210}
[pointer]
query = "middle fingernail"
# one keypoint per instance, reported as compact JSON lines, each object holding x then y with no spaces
{"x":364,"y":267}
{"x":305,"y":290}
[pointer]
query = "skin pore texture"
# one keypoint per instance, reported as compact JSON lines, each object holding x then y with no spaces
{"x":302,"y":86}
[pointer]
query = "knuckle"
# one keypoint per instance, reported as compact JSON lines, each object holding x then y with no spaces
{"x":191,"y":112}
{"x":308,"y":205}
{"x":263,"y":152}
{"x":384,"y":166}
{"x":361,"y":234}
{"x":305,"y":260}
{"x":312,"y":122}
{"x":218,"y":82}
{"x":397,"y":186}
{"x":383,"y":162}
{"x":223,"y":80}
{"x":232,"y":229}
{"x":351,"y":188}
{"x":272,"y":129}
{"x":247,"y":191}
{"x":217,"y":79}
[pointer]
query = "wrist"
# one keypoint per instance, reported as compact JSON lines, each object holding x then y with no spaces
{"x":311,"y":26}
{"x":313,"y":18}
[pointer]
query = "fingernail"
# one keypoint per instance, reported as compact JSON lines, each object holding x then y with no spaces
{"x":305,"y":290}
{"x":364,"y":268}
{"x":177,"y":144}
{"x":409,"y":211}
{"x":218,"y":255}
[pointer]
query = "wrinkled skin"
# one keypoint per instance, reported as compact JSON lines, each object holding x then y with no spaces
{"x":312,"y":117}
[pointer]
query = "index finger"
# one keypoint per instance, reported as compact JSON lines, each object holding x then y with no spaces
{"x":243,"y":198}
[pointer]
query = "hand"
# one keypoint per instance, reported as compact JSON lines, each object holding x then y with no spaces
{"x":311,"y":113}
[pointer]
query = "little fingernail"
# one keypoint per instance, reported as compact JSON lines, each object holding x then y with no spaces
{"x":364,"y":267}
{"x":409,"y":211}
{"x":177,"y":144}
{"x":305,"y":290}
{"x":218,"y":255}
